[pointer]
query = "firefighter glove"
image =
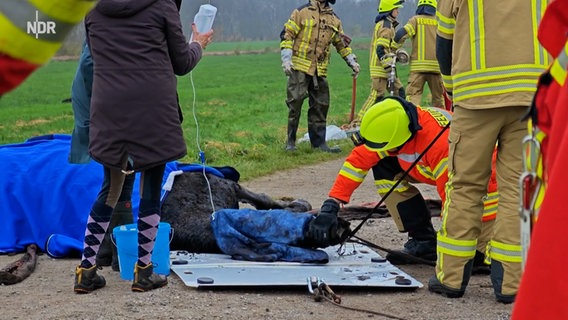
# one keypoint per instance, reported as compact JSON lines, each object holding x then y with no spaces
{"x":352,"y":62}
{"x":286,"y":57}
{"x":402,"y":56}
{"x":387,"y":60}
{"x":323,"y":228}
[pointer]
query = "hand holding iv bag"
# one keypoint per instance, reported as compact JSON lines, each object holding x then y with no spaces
{"x":204,"y":18}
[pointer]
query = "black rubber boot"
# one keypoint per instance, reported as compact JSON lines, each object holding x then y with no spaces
{"x":325,"y":148}
{"x":317,"y":139}
{"x":292,"y":129}
{"x":107,"y":255}
{"x":434,"y":285}
{"x":317,"y":135}
{"x":145,"y":279}
{"x":416,"y":219}
{"x":423,"y":249}
{"x":479,"y":265}
{"x":87,"y":280}
{"x":497,"y":276}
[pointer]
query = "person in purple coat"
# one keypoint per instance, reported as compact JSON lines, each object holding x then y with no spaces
{"x":138,"y":48}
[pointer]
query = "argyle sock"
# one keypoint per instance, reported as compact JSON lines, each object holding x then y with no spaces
{"x":97,"y":224}
{"x":148,"y":221}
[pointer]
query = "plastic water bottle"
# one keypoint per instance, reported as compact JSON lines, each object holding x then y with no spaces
{"x":204,"y":18}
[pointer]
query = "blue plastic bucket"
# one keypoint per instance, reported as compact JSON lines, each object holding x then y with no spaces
{"x":126,"y":239}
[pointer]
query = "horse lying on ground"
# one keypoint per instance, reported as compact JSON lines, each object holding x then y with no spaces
{"x":190,"y":203}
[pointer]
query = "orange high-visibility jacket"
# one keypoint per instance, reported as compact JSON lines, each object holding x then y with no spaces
{"x":432,"y":168}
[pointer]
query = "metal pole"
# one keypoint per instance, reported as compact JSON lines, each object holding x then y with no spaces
{"x":353,"y":97}
{"x":392,"y":76}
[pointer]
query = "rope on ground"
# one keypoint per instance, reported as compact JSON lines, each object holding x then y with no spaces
{"x":324,"y":293}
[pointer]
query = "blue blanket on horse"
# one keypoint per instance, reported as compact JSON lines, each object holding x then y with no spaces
{"x":264,"y":235}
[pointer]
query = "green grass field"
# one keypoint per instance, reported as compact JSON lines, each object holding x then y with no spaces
{"x":240,"y":108}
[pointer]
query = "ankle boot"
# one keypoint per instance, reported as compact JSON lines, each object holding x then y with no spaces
{"x":145,"y":279}
{"x":87,"y":280}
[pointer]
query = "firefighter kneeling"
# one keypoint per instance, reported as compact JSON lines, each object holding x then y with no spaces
{"x":394,"y":133}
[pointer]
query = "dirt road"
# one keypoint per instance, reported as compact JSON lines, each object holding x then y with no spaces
{"x":48,"y":292}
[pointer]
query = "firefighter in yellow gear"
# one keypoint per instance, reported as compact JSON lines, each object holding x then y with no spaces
{"x":305,"y":42}
{"x":490,"y":61}
{"x":394,"y":134}
{"x":382,"y":49}
{"x":31,"y":32}
{"x":421,"y":29}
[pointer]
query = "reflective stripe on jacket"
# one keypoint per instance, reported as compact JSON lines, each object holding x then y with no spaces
{"x":383,"y":36}
{"x":506,"y":77}
{"x":422,"y":30}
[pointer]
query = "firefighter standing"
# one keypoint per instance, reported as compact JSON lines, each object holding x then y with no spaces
{"x":547,"y":255}
{"x":382,"y":49}
{"x":424,"y":68}
{"x":395,"y":132}
{"x":304,"y":45}
{"x":490,"y":61}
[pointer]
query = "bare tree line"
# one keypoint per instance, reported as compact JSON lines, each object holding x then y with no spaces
{"x":249,"y":20}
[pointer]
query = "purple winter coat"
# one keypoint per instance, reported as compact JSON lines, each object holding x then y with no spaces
{"x":138,"y":47}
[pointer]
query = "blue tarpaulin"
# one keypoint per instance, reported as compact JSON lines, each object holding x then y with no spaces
{"x":45,"y":200}
{"x":43,"y":196}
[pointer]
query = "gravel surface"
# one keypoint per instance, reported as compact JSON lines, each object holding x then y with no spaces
{"x":48,"y":292}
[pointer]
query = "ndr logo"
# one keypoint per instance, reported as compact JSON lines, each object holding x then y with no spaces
{"x":40,"y":27}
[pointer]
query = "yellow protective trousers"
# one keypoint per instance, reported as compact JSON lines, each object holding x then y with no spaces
{"x":378,"y":92}
{"x":406,"y":191}
{"x":473,"y":136}
{"x":415,"y":88}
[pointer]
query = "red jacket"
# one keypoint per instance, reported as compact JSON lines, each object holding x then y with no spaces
{"x":432,"y":168}
{"x":542,"y":292}
{"x":13,"y":72}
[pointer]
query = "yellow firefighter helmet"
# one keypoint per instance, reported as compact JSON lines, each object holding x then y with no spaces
{"x":389,"y":5}
{"x":432,"y":3}
{"x":385,"y":125}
